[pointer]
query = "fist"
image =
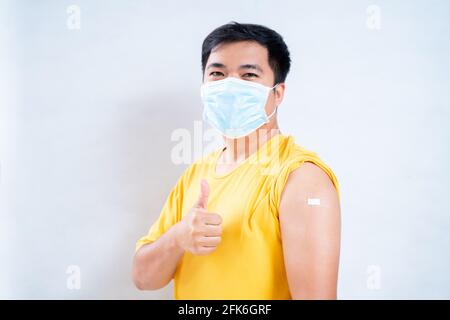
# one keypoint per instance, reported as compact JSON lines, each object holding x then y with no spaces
{"x":200,"y":231}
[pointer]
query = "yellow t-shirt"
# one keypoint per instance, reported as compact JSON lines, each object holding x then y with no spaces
{"x":248,"y":263}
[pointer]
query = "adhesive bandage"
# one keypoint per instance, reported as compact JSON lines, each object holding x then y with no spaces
{"x":313,"y":202}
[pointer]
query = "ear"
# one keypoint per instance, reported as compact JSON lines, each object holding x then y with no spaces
{"x":279,"y":93}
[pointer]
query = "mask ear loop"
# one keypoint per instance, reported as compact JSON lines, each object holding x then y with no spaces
{"x":276,"y":108}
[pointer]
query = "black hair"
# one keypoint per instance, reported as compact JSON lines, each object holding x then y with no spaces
{"x":279,"y":58}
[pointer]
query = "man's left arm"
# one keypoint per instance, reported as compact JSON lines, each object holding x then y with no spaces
{"x":310,"y":222}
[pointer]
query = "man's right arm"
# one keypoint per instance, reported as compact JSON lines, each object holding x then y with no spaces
{"x":198,"y":233}
{"x":155,"y":263}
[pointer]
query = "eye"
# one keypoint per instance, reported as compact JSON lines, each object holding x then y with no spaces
{"x":250,"y":75}
{"x":216,"y":74}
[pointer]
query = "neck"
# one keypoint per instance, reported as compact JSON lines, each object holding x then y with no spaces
{"x":237,"y":150}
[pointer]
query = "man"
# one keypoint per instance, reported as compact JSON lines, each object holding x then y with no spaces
{"x":260,"y":217}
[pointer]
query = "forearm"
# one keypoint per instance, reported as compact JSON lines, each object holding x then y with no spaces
{"x":155,"y":263}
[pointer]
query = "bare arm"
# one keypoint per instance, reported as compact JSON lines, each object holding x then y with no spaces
{"x":155,"y":263}
{"x":310,"y":233}
{"x":199,"y":233}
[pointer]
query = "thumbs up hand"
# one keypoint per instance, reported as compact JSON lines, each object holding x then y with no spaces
{"x":200,"y":231}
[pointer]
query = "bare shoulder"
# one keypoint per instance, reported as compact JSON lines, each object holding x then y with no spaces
{"x":309,"y":181}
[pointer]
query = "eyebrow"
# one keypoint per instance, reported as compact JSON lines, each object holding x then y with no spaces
{"x":251,"y":66}
{"x":244,"y":66}
{"x":215,"y":65}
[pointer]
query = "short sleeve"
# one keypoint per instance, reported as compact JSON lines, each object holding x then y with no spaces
{"x":170,"y":214}
{"x":291,"y":165}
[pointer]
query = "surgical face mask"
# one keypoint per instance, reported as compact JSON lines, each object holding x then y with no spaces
{"x":235,"y":107}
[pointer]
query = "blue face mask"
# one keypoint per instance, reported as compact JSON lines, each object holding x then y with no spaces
{"x":235,"y":107}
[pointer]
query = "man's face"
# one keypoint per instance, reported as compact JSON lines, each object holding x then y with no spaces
{"x":246,"y":60}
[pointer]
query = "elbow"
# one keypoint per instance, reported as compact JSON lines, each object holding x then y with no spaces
{"x":142,"y":279}
{"x":142,"y":285}
{"x":139,"y":282}
{"x":146,"y":285}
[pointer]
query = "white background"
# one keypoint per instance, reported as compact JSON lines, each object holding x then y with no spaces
{"x":86,"y":118}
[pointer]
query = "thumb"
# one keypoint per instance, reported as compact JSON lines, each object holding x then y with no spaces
{"x":204,"y":193}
